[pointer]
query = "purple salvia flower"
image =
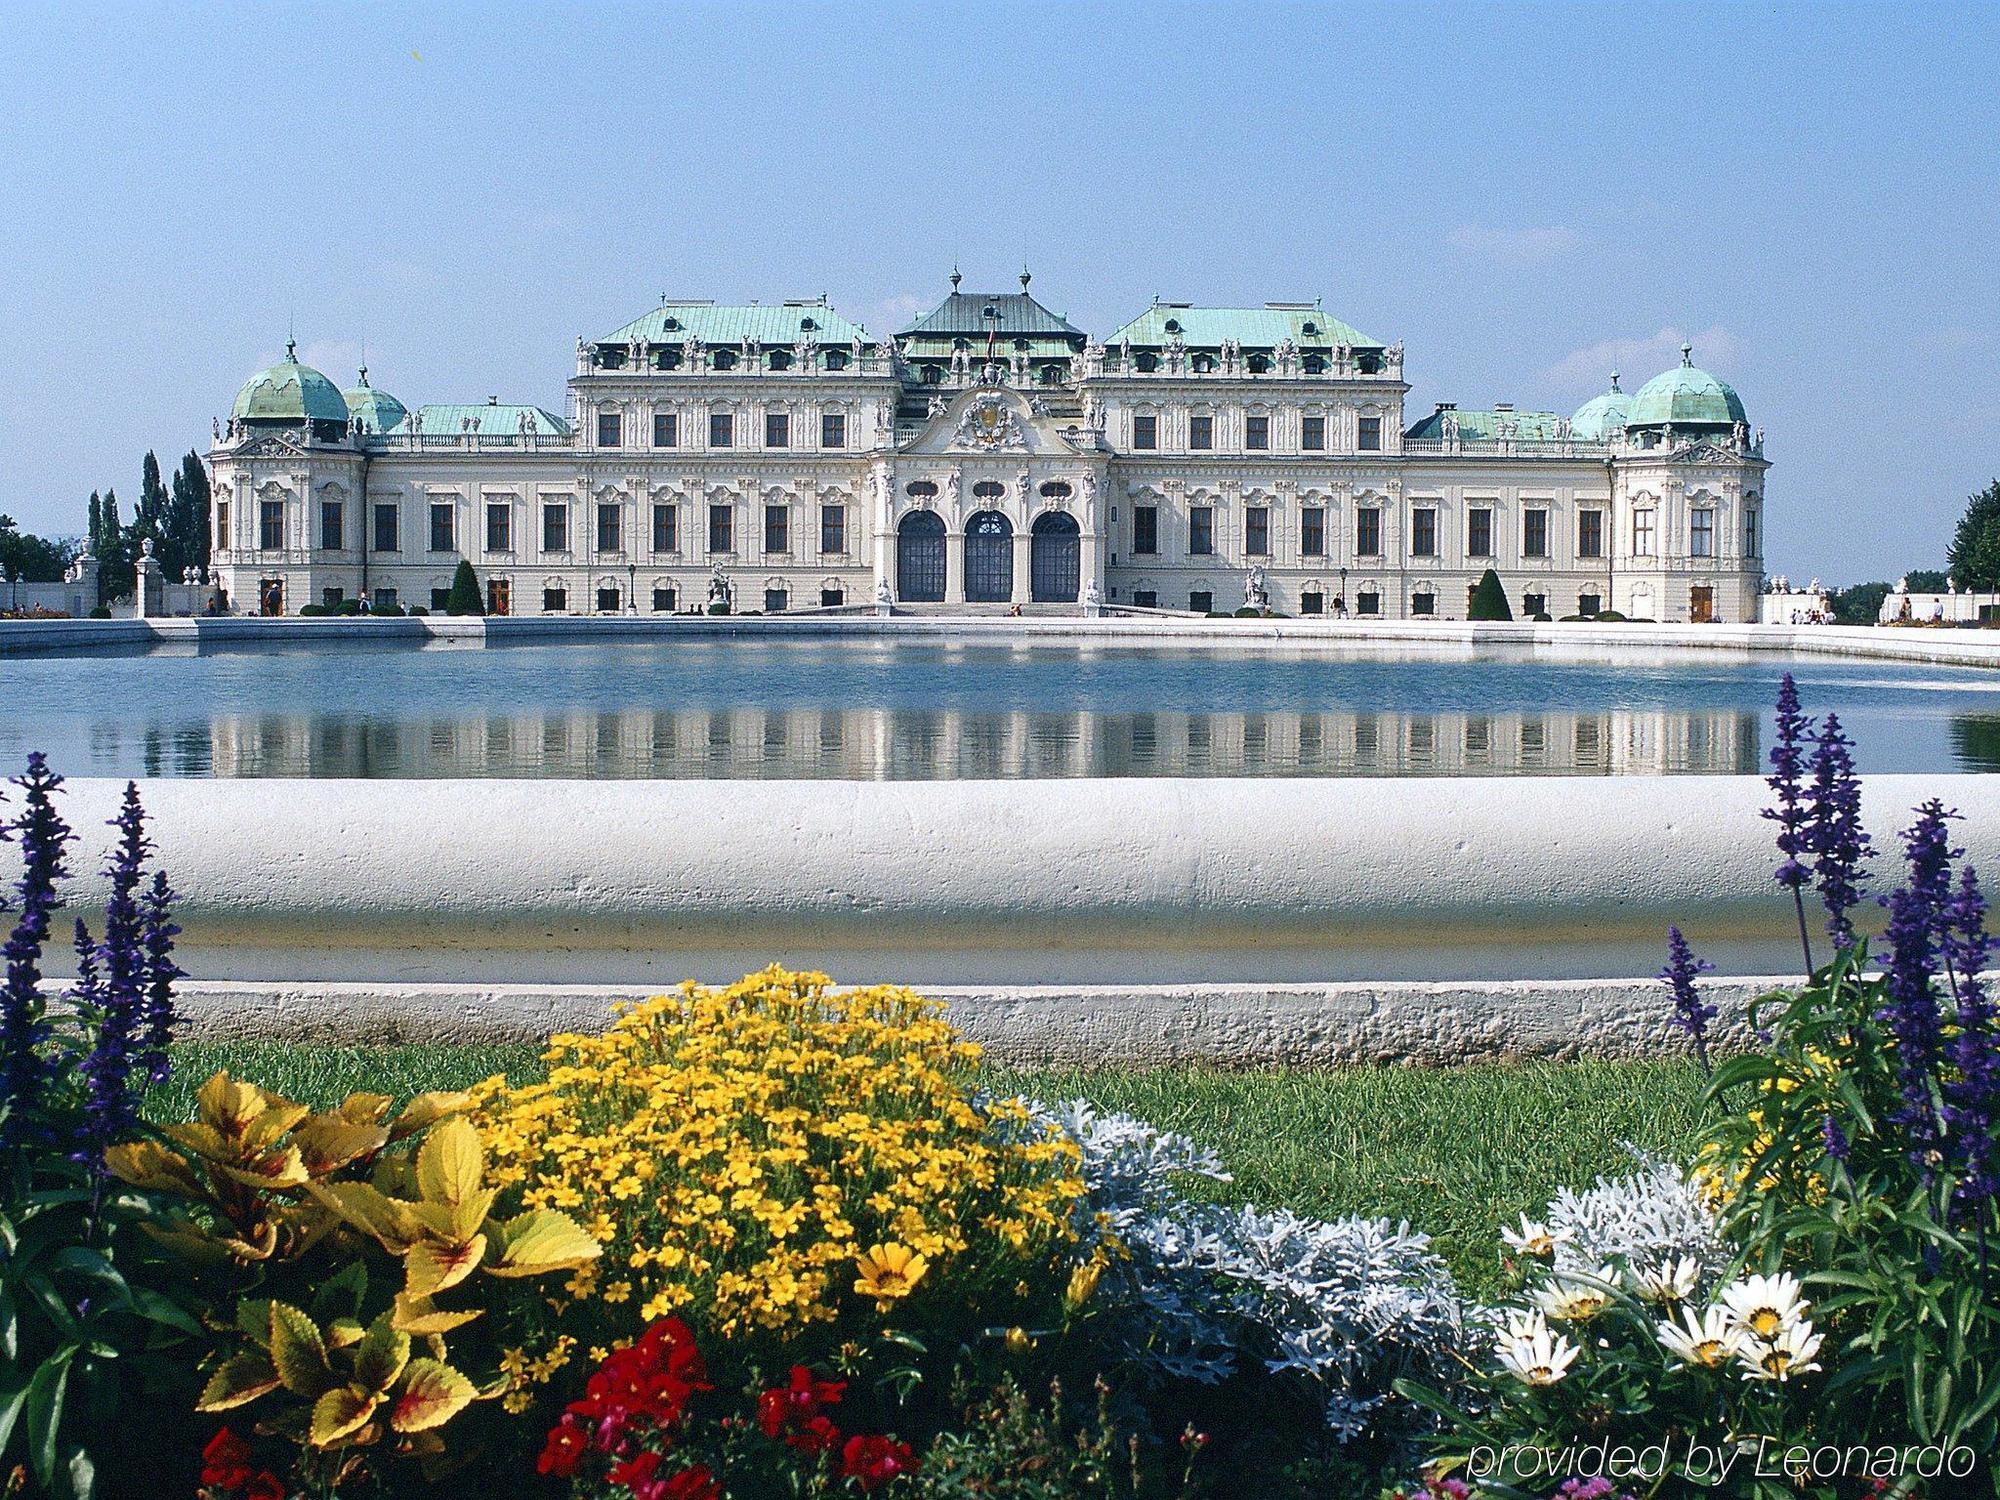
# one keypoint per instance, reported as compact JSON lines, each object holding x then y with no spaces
{"x":1838,"y":842}
{"x":1972,"y":1087}
{"x":1835,"y":1138}
{"x":1691,"y":1013}
{"x":157,"y":938}
{"x":1911,"y":1015}
{"x":123,"y":971}
{"x":1788,"y":761}
{"x":24,"y":1064}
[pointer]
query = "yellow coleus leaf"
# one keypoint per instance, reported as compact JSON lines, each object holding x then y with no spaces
{"x":426,"y":1110}
{"x":369,"y":1209}
{"x":459,"y":1221}
{"x":340,"y":1413}
{"x":329,"y":1142}
{"x":281,"y":1168}
{"x":342,"y":1332}
{"x":273,"y":1124}
{"x":298,"y":1351}
{"x":416,"y":1315}
{"x":381,"y":1355}
{"x":227,"y":1106}
{"x":432,"y":1394}
{"x":432,"y":1267}
{"x":365,"y":1109}
{"x":148,"y":1164}
{"x":450,"y":1163}
{"x":239,"y":1380}
{"x":544,"y":1240}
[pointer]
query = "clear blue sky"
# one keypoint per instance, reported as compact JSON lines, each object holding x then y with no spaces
{"x":1526,"y":195}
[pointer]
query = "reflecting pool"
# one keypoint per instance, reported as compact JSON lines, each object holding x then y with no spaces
{"x":906,"y":710}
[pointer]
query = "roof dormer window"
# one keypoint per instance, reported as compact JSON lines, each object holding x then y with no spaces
{"x":723,"y":359}
{"x":779,"y":359}
{"x":1309,"y":328}
{"x":1148,"y":363}
{"x":807,"y":325}
{"x":1173,"y":325}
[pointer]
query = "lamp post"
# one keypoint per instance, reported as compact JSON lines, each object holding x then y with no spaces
{"x":1343,"y":591}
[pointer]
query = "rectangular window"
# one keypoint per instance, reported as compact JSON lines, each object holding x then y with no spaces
{"x":1145,"y":529}
{"x":721,"y":528}
{"x":666,"y":528}
{"x":499,"y":596}
{"x":1424,"y":532}
{"x":1368,"y":531}
{"x":1750,"y":531}
{"x":555,"y":526}
{"x":1368,"y":602}
{"x":1201,"y":601}
{"x":609,"y":527}
{"x":1201,"y":432}
{"x":777,"y":430}
{"x":777,"y":528}
{"x":384,"y":600}
{"x":222,"y":536}
{"x":1590,"y":533}
{"x":1535,"y":533}
{"x":607,"y":601}
{"x":1145,"y":431}
{"x":1371,"y":435}
{"x":1312,"y":530}
{"x":833,"y":529}
{"x":330,"y":529}
{"x":776,"y":601}
{"x":1146,"y":598}
{"x":1312,"y":602}
{"x":831,"y":596}
{"x":666,"y":429}
{"x":440,"y":600}
{"x":610,"y":429}
{"x":1479,"y":532}
{"x":833,"y":429}
{"x":1312,"y":434}
{"x":1201,"y":529}
{"x":386,"y":530}
{"x":331,"y":598}
{"x":441,"y":527}
{"x":1256,"y":432}
{"x":1701,"y":532}
{"x":1642,"y":533}
{"x":721,"y":430}
{"x":499,"y":526}
{"x":1589,"y":605}
{"x":1534,"y":604}
{"x":1256,"y":531}
{"x":1423,"y":604}
{"x":555,"y":601}
{"x":665,"y":599}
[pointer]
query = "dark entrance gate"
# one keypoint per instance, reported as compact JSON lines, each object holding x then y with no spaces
{"x":1055,"y":550}
{"x":920,"y":558}
{"x":989,"y":558}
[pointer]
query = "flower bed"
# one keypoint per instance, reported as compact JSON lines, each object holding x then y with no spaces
{"x":779,"y":1238}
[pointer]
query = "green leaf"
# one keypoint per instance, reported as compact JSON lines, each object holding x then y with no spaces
{"x":298,"y":1352}
{"x":45,"y":1410}
{"x":155,"y":1307}
{"x":13,"y":1398}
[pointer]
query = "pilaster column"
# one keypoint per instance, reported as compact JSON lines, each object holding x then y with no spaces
{"x":1024,"y":564}
{"x":954,"y":565}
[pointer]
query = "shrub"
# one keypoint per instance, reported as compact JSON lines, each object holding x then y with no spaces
{"x":100,"y":612}
{"x":464,"y":598}
{"x":417,"y":611}
{"x":313,"y":611}
{"x":386,"y":610}
{"x":1611,"y":615}
{"x":790,"y":1166}
{"x":1489,"y":599}
{"x":719,"y":607}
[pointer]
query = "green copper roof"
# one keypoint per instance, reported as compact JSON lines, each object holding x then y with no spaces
{"x":763,"y":323}
{"x":495,"y":419}
{"x":289,"y":392}
{"x":963,"y":315}
{"x":377,"y":411}
{"x":1529,"y":426}
{"x":1263,"y":327}
{"x":1686,"y":396}
{"x":1600,"y":416}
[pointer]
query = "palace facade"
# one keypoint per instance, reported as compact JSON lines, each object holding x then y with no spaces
{"x":990,"y":455}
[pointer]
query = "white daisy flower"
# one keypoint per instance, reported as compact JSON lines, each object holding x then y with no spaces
{"x":1577,"y":1296}
{"x":1543,"y":1359}
{"x":1535,"y":1238}
{"x":1763,"y":1305}
{"x":1669,"y":1280}
{"x":1710,"y":1339}
{"x":1789,"y":1353}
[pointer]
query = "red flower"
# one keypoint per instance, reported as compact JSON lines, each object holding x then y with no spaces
{"x":566,"y":1447}
{"x":692,"y":1484}
{"x":817,"y":1436}
{"x":266,"y":1486}
{"x":225,"y":1462}
{"x":636,"y":1474}
{"x":873,"y":1460}
{"x":798,"y":1401}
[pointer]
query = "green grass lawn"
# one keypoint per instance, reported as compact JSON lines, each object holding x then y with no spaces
{"x":1455,"y":1151}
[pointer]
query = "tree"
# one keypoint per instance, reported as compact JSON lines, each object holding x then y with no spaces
{"x":149,"y":520}
{"x":32,"y":559}
{"x":1926,"y":580}
{"x":1861,"y":604}
{"x":1974,"y":556}
{"x":187,"y":518}
{"x":116,"y":550}
{"x":1489,"y":599}
{"x":464,"y":597}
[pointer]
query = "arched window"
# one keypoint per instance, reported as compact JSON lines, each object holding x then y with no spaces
{"x":1315,"y":364}
{"x":779,"y":359}
{"x":1204,"y":364}
{"x":1370,"y":363}
{"x":1057,"y":489}
{"x":834,"y":359}
{"x":1054,"y":572}
{"x":989,"y":556}
{"x":988,"y":489}
{"x":1260,"y":364}
{"x":723,"y":359}
{"x":1173,"y":325}
{"x":920,"y":558}
{"x":1052,"y":374}
{"x":667,"y":359}
{"x":1149,"y":363}
{"x":932,"y":375}
{"x":920,"y":489}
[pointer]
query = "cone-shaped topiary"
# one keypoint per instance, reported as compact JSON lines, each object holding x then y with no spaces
{"x":464,"y":597}
{"x":1489,"y":600}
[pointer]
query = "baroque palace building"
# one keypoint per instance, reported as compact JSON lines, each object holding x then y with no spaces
{"x":991,"y":454}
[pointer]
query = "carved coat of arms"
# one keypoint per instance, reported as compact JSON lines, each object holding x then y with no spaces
{"x":989,"y":422}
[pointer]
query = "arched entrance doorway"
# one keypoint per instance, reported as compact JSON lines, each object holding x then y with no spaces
{"x":1056,"y":552}
{"x":920,"y":558}
{"x":271,"y":597}
{"x":989,"y":558}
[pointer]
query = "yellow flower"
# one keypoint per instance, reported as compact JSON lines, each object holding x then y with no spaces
{"x":1082,"y":1282}
{"x":888,"y":1272}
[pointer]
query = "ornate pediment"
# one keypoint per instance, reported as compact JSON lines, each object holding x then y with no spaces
{"x":269,"y":446}
{"x":1706,"y":453}
{"x":987,"y":422}
{"x":990,"y":419}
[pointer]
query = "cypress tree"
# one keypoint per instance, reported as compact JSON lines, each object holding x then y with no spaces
{"x":1974,"y":557}
{"x":1489,"y":599}
{"x":187,"y":511}
{"x":464,"y":597}
{"x":115,"y":552}
{"x":94,"y":533}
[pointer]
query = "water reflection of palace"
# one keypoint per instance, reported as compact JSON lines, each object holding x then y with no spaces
{"x":898,"y":744}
